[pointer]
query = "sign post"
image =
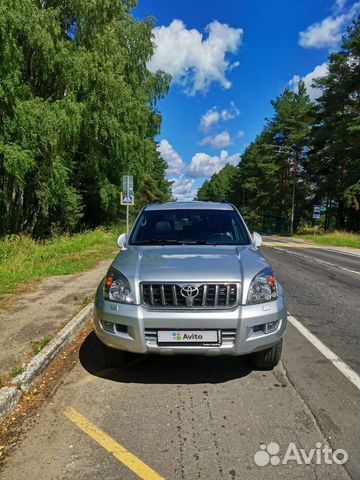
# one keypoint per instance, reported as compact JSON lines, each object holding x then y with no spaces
{"x":316,"y":212}
{"x":316,"y":215}
{"x":127,"y":197}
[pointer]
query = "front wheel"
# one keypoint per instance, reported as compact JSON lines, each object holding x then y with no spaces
{"x":269,"y":358}
{"x":113,"y":357}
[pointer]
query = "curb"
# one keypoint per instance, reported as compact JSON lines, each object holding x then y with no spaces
{"x":10,"y":396}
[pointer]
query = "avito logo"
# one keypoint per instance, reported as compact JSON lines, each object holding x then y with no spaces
{"x":322,"y":454}
{"x":192,"y":336}
{"x":187,"y":336}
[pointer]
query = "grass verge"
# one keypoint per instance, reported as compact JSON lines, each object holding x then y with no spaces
{"x":334,"y":239}
{"x":24,"y":260}
{"x":40,"y":345}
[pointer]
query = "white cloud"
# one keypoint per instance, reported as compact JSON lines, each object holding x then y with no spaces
{"x":240,"y":134}
{"x":230,"y":113}
{"x":171,"y":157}
{"x":213,"y":116}
{"x":323,"y":34}
{"x":340,"y":4}
{"x":204,"y":165}
{"x":221,"y":140}
{"x":183,"y":176}
{"x":183,"y":188}
{"x":194,"y":61}
{"x":313,"y":92}
{"x":209,"y":119}
{"x":328,"y":32}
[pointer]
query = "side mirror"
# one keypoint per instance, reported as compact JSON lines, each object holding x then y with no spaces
{"x":121,"y":240}
{"x":257,"y":240}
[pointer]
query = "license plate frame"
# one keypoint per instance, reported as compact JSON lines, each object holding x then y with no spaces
{"x":188,"y":337}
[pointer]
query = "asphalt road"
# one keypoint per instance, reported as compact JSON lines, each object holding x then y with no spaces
{"x":325,"y":297}
{"x":205,"y":418}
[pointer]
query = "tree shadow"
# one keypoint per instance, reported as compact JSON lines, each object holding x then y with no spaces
{"x":161,"y":369}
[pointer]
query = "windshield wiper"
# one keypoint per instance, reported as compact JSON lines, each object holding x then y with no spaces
{"x":157,"y":241}
{"x":199,"y":242}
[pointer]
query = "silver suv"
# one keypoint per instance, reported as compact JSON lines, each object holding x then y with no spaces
{"x":190,"y":279}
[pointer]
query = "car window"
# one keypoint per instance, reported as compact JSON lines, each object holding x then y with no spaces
{"x":221,"y":227}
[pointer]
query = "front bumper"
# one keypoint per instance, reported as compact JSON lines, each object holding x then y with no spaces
{"x":135,"y":327}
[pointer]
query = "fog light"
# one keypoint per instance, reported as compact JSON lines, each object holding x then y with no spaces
{"x":107,"y":326}
{"x":121,"y":328}
{"x":271,"y":326}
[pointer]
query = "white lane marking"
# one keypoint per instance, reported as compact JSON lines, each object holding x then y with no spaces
{"x":343,"y":367}
{"x":313,"y":259}
{"x":319,"y":247}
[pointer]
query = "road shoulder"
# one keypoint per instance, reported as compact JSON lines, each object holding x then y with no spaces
{"x":38,"y":315}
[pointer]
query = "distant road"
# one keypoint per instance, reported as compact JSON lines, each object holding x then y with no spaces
{"x":328,"y":255}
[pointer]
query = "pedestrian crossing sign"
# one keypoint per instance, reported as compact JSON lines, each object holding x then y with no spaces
{"x":126,"y":199}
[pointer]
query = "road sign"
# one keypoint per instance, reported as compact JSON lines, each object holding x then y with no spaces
{"x":126,"y":199}
{"x":128,"y":185}
{"x":316,"y":212}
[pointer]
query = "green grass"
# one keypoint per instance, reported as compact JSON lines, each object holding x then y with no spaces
{"x":88,"y":300}
{"x":38,"y":346}
{"x":334,"y":239}
{"x":16,"y":371}
{"x":23,"y":259}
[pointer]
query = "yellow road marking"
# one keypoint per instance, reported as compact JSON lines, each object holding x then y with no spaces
{"x":118,"y":451}
{"x":292,"y":245}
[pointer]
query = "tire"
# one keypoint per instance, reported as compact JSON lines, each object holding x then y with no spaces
{"x":269,"y":358}
{"x":113,"y":357}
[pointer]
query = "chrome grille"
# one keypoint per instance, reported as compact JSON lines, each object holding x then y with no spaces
{"x":210,"y":295}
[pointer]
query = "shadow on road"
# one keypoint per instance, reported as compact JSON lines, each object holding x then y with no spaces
{"x":160,"y":369}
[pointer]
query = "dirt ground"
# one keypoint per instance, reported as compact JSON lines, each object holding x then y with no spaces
{"x":41,"y":312}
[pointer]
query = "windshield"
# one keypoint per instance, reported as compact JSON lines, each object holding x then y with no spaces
{"x":187,"y":227}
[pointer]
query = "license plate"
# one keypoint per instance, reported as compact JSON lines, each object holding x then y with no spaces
{"x":188,"y":336}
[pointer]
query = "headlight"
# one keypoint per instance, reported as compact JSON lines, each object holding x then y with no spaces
{"x":263,"y":287}
{"x":117,"y":287}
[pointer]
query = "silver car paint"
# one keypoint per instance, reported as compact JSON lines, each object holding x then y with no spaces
{"x":196,"y":263}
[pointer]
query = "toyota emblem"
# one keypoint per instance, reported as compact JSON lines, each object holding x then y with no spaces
{"x":189,"y":291}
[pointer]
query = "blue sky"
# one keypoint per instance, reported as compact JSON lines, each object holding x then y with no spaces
{"x":228,"y":59}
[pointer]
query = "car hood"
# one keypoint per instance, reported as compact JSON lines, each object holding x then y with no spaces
{"x":200,"y":263}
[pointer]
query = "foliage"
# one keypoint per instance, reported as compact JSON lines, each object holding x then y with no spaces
{"x":219,"y":186}
{"x":334,"y":162}
{"x":22,"y":259}
{"x":77,"y":111}
{"x":317,"y":144}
